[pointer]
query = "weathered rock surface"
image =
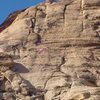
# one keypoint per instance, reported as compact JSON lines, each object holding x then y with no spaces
{"x":9,"y":20}
{"x":56,"y":49}
{"x":12,"y":85}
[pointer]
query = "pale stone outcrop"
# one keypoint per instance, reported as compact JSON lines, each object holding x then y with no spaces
{"x":12,"y":85}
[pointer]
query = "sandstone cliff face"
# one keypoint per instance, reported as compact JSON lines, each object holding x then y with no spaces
{"x":9,"y":20}
{"x":56,"y":49}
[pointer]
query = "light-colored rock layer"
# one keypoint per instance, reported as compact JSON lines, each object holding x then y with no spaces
{"x":12,"y":85}
{"x":56,"y":47}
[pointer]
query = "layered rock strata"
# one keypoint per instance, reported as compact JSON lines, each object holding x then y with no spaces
{"x":56,"y":47}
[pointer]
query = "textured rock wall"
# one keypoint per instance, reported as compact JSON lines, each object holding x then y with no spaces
{"x":9,"y":20}
{"x":56,"y":48}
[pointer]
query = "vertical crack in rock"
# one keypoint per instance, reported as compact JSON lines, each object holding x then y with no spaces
{"x":65,"y":8}
{"x":82,"y":14}
{"x":35,"y":19}
{"x":64,"y":12}
{"x":57,"y":70}
{"x":32,"y":29}
{"x":38,"y":39}
{"x":48,"y":80}
{"x":63,"y":61}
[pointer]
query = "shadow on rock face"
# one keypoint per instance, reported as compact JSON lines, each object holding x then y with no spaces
{"x":33,"y":90}
{"x":19,"y":68}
